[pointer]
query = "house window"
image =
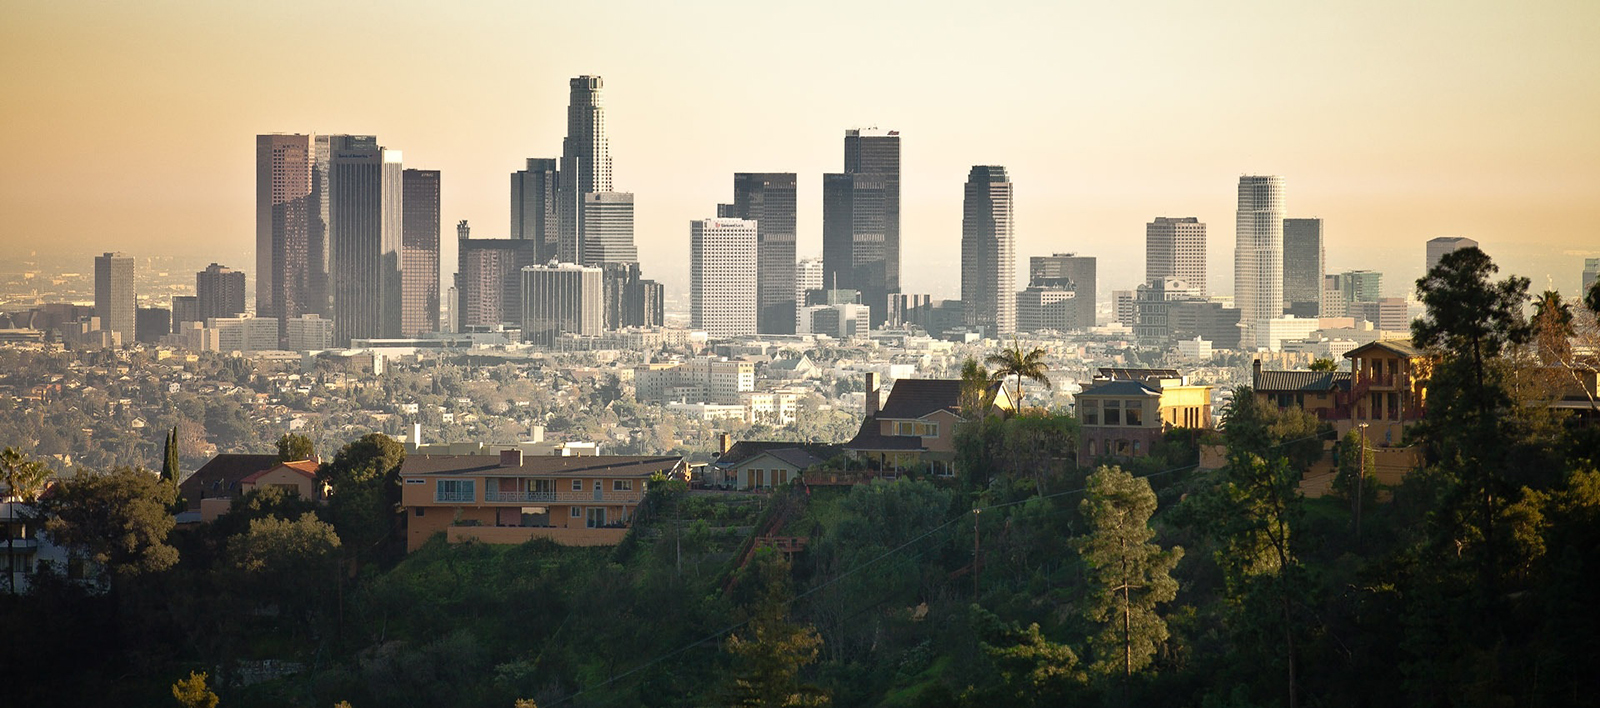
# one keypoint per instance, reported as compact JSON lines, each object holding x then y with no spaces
{"x":905,"y":427}
{"x":1090,"y":412}
{"x":577,"y":485}
{"x":1134,"y":413}
{"x":929,"y":430}
{"x":420,"y":510}
{"x":455,"y":491}
{"x":577,"y":512}
{"x":621,"y":485}
{"x":1113,"y":412}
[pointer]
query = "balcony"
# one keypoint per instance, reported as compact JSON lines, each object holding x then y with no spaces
{"x":625,"y":496}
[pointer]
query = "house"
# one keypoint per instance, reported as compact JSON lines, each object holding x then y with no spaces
{"x":1388,"y":389}
{"x":23,"y":547}
{"x":1325,"y":394}
{"x":798,"y":368}
{"x":514,"y":498}
{"x":763,"y":464}
{"x":915,"y":428}
{"x":298,"y":477}
{"x":210,"y":490}
{"x":1125,"y":412}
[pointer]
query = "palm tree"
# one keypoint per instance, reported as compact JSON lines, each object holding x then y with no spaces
{"x":1012,"y":361}
{"x":975,"y":395}
{"x":22,"y":480}
{"x":1552,"y":326}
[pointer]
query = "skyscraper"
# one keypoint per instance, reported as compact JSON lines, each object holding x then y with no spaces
{"x":489,"y":279}
{"x":722,"y":255}
{"x":219,"y":292}
{"x":1591,"y":273}
{"x":291,"y":229}
{"x":114,"y":300}
{"x":560,"y":298}
{"x":1361,"y":285}
{"x":365,"y":213}
{"x":1303,"y":259}
{"x":1437,"y":247}
{"x":535,"y":194}
{"x":988,"y":252}
{"x":861,"y":219}
{"x":1258,"y":256}
{"x":1176,"y":248}
{"x":807,"y":277}
{"x":608,"y":229}
{"x":768,"y":198}
{"x":585,"y":162}
{"x":1076,"y":269}
{"x":419,"y":253}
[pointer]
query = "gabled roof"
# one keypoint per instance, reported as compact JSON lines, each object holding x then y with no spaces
{"x":915,"y":398}
{"x":870,"y":439}
{"x":304,"y":468}
{"x":1301,"y":380}
{"x":1400,"y":347}
{"x":221,"y":475}
{"x":540,"y":465}
{"x":1121,"y":388}
{"x":791,"y":452}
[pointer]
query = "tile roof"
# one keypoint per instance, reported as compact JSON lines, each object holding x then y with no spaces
{"x":1403,"y":347}
{"x":1301,"y":380}
{"x":915,"y":398}
{"x":869,"y":438}
{"x":305,"y":468}
{"x":220,"y":476}
{"x":541,"y":465}
{"x":750,"y":449}
{"x":1121,"y":387}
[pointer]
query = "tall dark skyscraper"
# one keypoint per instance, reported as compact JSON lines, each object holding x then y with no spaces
{"x":535,"y":194}
{"x":219,"y":292}
{"x":365,"y":212}
{"x":1077,"y":270}
{"x":291,"y":228}
{"x":607,"y":229}
{"x":988,"y":252}
{"x":768,"y":198}
{"x":861,"y":220}
{"x":1303,"y":261}
{"x":419,"y":253}
{"x":114,"y":299}
{"x":489,"y":279}
{"x":585,"y":162}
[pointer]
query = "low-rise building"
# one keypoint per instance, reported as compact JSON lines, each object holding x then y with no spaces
{"x":759,"y":464}
{"x":1125,"y":412}
{"x":915,"y":428}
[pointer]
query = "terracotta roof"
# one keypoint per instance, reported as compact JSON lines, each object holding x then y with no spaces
{"x":1301,"y":380}
{"x":750,"y":449}
{"x":1402,"y":347}
{"x":221,"y":475}
{"x":540,"y":465}
{"x":915,"y":398}
{"x":304,"y":468}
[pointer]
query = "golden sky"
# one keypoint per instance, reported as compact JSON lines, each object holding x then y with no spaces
{"x":131,"y":125}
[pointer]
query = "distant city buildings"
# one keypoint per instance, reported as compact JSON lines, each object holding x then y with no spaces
{"x":1047,"y":308}
{"x":608,"y":229}
{"x":1591,"y":273}
{"x":219,"y":292}
{"x":585,"y":167}
{"x":988,"y":252}
{"x":1176,"y":248}
{"x":768,"y":198}
{"x":1152,"y":301}
{"x":535,"y":198}
{"x":722,"y":256}
{"x":807,"y":277}
{"x":292,"y":211}
{"x":489,"y":279}
{"x":365,"y":238}
{"x":1438,"y":247}
{"x":419,"y":253}
{"x":561,"y":298}
{"x":861,"y":219}
{"x":1303,"y":264}
{"x":1258,"y":255}
{"x":1071,"y":271}
{"x":114,"y":299}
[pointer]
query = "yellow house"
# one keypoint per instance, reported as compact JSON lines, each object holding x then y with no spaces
{"x":1388,"y":389}
{"x":513,"y":498}
{"x":1125,"y":412}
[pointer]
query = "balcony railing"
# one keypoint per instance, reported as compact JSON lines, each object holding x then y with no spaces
{"x":519,"y":496}
{"x":629,"y":496}
{"x":453,"y":497}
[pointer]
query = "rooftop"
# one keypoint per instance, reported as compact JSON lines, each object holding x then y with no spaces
{"x":540,"y":465}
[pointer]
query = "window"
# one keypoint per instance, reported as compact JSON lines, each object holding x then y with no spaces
{"x":577,"y":485}
{"x":621,"y":485}
{"x":1091,"y":448}
{"x":1134,"y":415}
{"x":577,"y":512}
{"x":455,"y":490}
{"x":420,"y":511}
{"x":1113,"y":412}
{"x":1090,"y":412}
{"x":930,"y":430}
{"x":905,"y":427}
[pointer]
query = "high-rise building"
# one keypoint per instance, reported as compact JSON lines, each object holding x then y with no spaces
{"x":535,"y":196}
{"x":185,"y":309}
{"x":608,"y":229}
{"x":307,"y":333}
{"x":1437,"y":247}
{"x":489,"y":279}
{"x":219,"y":292}
{"x":560,"y":298}
{"x":629,"y":299}
{"x":807,"y":277}
{"x":365,"y":213}
{"x":1258,"y":254}
{"x":419,"y":253}
{"x":1303,"y":259}
{"x":1176,"y":248}
{"x":861,"y":219}
{"x":768,"y":198}
{"x":291,"y":225}
{"x":1333,"y":296}
{"x":722,"y":255}
{"x":1077,"y":270}
{"x":1046,"y":307}
{"x":1361,"y":286}
{"x":1205,"y":319}
{"x":1152,"y":304}
{"x":1126,"y":308}
{"x":988,"y":252}
{"x":151,"y":324}
{"x":114,"y":301}
{"x":1591,"y":273}
{"x":585,"y":163}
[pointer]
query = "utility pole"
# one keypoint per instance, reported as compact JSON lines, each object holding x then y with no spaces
{"x":1361,"y":479}
{"x":975,"y":553}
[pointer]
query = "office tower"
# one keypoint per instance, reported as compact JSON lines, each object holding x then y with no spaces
{"x":1444,"y":244}
{"x":185,"y":309}
{"x":807,"y":277}
{"x":1385,"y":313}
{"x":1204,"y":319}
{"x":1176,"y":248}
{"x":722,"y":255}
{"x":1591,"y":273}
{"x":630,"y":300}
{"x":861,"y":219}
{"x":560,"y":298}
{"x":768,"y":198}
{"x":1333,"y":302}
{"x":535,"y":194}
{"x":1303,"y":262}
{"x":1361,"y":286}
{"x":219,"y":292}
{"x":608,"y":229}
{"x":1046,"y":307}
{"x":1076,"y":269}
{"x":419,"y":253}
{"x":1258,"y":254}
{"x":307,"y":333}
{"x":585,"y":163}
{"x":1152,"y":304}
{"x":988,"y":252}
{"x":364,"y":211}
{"x":1127,"y":312}
{"x":291,"y":230}
{"x":113,"y":295}
{"x":489,"y":279}
{"x":150,"y":324}
{"x":647,"y":304}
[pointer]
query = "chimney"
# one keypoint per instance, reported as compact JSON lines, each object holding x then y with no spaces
{"x":724,"y":441}
{"x":511,"y":458}
{"x":1255,"y":374}
{"x":872,"y":394}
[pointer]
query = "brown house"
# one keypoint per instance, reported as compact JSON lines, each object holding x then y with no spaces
{"x":916,"y":427}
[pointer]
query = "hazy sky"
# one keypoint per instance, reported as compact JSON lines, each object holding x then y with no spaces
{"x":131,"y":125}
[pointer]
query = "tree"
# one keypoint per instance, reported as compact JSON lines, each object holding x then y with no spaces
{"x":1353,"y":478}
{"x":293,"y":447}
{"x":1129,"y":575}
{"x":1012,"y":361}
{"x":1553,"y":327}
{"x":169,"y":458}
{"x":769,"y":651}
{"x":976,"y":395}
{"x":1324,"y":365}
{"x":1030,"y":669}
{"x":293,"y":563}
{"x":118,"y":519}
{"x":365,"y":480}
{"x":192,"y":692}
{"x":23,"y":479}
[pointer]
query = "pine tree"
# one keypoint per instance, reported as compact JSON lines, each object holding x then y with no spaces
{"x":169,"y":466}
{"x":769,"y":651}
{"x":1129,"y":576}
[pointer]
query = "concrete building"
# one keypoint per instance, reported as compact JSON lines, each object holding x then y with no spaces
{"x":1125,"y":416}
{"x":585,"y":164}
{"x":839,"y":320}
{"x":308,"y":333}
{"x":245,"y":333}
{"x":114,"y":299}
{"x":1079,"y":274}
{"x":1176,"y":248}
{"x":1047,"y":307}
{"x":1304,"y":258}
{"x":1591,"y":273}
{"x":365,"y":214}
{"x":1438,"y":247}
{"x":291,"y":225}
{"x":1205,"y":319}
{"x":489,"y":279}
{"x":1276,"y":331}
{"x":1333,"y":302}
{"x":1152,"y":301}
{"x":561,"y":298}
{"x":703,"y":379}
{"x":535,"y":196}
{"x":988,"y":252}
{"x":1258,"y":255}
{"x":807,"y":277}
{"x":607,"y":234}
{"x":1385,"y":313}
{"x":151,"y":324}
{"x":722,"y":257}
{"x":861,"y":219}
{"x":185,"y":308}
{"x":419,"y":253}
{"x":219,"y":292}
{"x":768,"y":198}
{"x":1127,"y":311}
